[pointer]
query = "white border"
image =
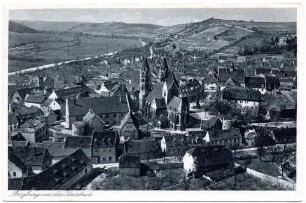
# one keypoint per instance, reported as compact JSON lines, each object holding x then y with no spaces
{"x":161,"y":195}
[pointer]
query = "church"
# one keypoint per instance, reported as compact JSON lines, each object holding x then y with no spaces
{"x":164,"y":98}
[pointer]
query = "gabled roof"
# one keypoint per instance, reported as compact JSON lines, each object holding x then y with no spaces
{"x":241,"y":94}
{"x":31,"y":156}
{"x":142,"y":146}
{"x":104,"y":139}
{"x":59,"y":173}
{"x":156,"y":93}
{"x":171,"y":80}
{"x":37,"y":99}
{"x":177,"y":102}
{"x":231,"y":133}
{"x":24,"y":91}
{"x":129,"y":118}
{"x":99,"y":105}
{"x":237,"y":75}
{"x":78,"y":142}
{"x":12,"y":119}
{"x":15,"y":160}
{"x":90,"y":115}
{"x":230,"y":83}
{"x":22,"y":111}
{"x":255,"y":82}
{"x":175,"y":140}
{"x":209,"y":124}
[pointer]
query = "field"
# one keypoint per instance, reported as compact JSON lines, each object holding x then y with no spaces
{"x":48,"y":48}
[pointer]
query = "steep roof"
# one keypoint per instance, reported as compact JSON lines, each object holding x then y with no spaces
{"x":22,"y":111}
{"x":129,"y":118}
{"x":24,"y":91}
{"x":142,"y":146}
{"x":175,"y":140}
{"x":156,"y":93}
{"x":177,"y":102}
{"x":99,"y":105}
{"x":60,"y":172}
{"x":78,"y":142}
{"x":241,"y":94}
{"x":237,"y":75}
{"x":37,"y":99}
{"x":15,"y":160}
{"x":210,"y":123}
{"x":231,"y":133}
{"x":255,"y":82}
{"x":171,"y":80}
{"x":12,"y":119}
{"x":31,"y":156}
{"x":211,"y":155}
{"x":104,"y":139}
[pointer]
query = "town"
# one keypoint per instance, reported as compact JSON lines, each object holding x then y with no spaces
{"x":162,"y":116}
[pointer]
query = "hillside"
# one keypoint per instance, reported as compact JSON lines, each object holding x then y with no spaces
{"x":16,"y":27}
{"x":107,"y":29}
{"x":215,"y":34}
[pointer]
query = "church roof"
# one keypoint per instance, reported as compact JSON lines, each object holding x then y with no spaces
{"x":156,"y":93}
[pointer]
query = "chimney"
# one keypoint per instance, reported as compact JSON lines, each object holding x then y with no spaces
{"x":67,"y":113}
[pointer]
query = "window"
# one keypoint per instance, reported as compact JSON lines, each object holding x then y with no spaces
{"x":114,"y":115}
{"x":14,"y":174}
{"x":85,"y":170}
{"x":110,"y":150}
{"x":110,"y":158}
{"x":104,"y":159}
{"x":106,"y":116}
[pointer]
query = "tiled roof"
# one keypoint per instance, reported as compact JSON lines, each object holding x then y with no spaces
{"x":35,"y":156}
{"x":142,"y":146}
{"x":27,"y":110}
{"x":12,"y":119}
{"x":231,"y":133}
{"x":156,"y":93}
{"x":99,"y":105}
{"x":78,"y":142}
{"x":24,"y":91}
{"x":255,"y":82}
{"x":129,"y":118}
{"x":59,"y":173}
{"x":37,"y":99}
{"x":15,"y":160}
{"x":175,"y":102}
{"x":175,"y":140}
{"x":237,"y":75}
{"x":209,"y":124}
{"x":104,"y":139}
{"x":241,"y":94}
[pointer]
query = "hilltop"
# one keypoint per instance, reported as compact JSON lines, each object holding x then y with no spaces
{"x":16,"y":27}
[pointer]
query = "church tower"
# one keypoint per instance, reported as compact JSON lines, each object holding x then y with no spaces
{"x":145,"y":83}
{"x":163,"y":71}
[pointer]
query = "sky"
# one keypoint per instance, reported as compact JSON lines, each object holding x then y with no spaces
{"x":159,"y":16}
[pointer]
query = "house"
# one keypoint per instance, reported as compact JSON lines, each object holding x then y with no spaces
{"x":34,"y":100}
{"x":70,"y":92}
{"x":243,"y":99}
{"x":34,"y":158}
{"x":62,"y":175}
{"x":93,"y":122}
{"x":27,"y":113}
{"x":200,"y":160}
{"x":109,"y":109}
{"x":236,"y":75}
{"x":163,"y":121}
{"x":230,"y":138}
{"x":174,"y":145}
{"x":56,"y":149}
{"x":129,"y":127}
{"x":240,"y":59}
{"x":12,"y":122}
{"x":20,"y":94}
{"x":16,"y":168}
{"x":214,"y":123}
{"x":34,"y":131}
{"x":129,"y":165}
{"x":54,"y":105}
{"x":144,"y":149}
{"x":191,"y":89}
{"x":250,"y":136}
{"x":272,"y":82}
{"x":73,"y":143}
{"x":210,"y":82}
{"x":256,"y":83}
{"x":178,"y":112}
{"x":284,"y":135}
{"x":104,"y":147}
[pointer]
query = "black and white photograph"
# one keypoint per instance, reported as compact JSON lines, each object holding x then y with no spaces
{"x":142,"y":99}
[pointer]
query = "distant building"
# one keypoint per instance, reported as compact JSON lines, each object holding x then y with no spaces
{"x":63,"y":175}
{"x":27,"y":113}
{"x":34,"y":100}
{"x":178,"y":113}
{"x":199,"y":160}
{"x":34,"y":158}
{"x":109,"y":109}
{"x":210,"y":82}
{"x":12,"y":122}
{"x":73,"y":143}
{"x":34,"y":131}
{"x":284,"y":135}
{"x":174,"y":145}
{"x":104,"y":147}
{"x":93,"y":122}
{"x":256,"y":83}
{"x":143,"y":149}
{"x":214,"y":123}
{"x":129,"y":165}
{"x":20,"y":94}
{"x":242,"y":98}
{"x":16,"y":168}
{"x":250,"y":136}
{"x":70,"y":92}
{"x":129,"y":127}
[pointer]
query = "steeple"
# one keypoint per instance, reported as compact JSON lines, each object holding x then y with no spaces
{"x":145,"y":83}
{"x":164,"y":71}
